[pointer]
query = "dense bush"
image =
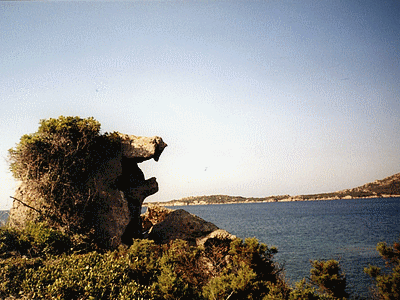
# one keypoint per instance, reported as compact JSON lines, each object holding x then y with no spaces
{"x":387,"y":283}
{"x":41,"y":263}
{"x":85,"y":276}
{"x":248,"y":274}
{"x":55,"y":163}
{"x":326,"y":275}
{"x":326,"y":282}
{"x":36,"y":239}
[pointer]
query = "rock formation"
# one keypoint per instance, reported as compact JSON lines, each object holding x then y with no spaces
{"x":119,"y":189}
{"x":164,"y":225}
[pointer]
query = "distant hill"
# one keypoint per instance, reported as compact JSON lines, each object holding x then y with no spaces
{"x":387,"y":187}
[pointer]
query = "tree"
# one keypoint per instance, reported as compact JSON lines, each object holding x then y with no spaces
{"x":250,"y":272}
{"x":327,"y":276}
{"x":388,"y":285}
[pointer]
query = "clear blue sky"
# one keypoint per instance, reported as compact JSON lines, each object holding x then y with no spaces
{"x":254,"y":98}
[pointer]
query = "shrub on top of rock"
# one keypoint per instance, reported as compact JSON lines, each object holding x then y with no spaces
{"x":75,"y":178}
{"x":56,"y":161}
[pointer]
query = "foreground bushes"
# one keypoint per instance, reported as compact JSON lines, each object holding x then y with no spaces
{"x":387,"y":283}
{"x":42,"y":263}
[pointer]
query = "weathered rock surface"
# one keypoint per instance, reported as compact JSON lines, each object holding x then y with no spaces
{"x":219,"y":234}
{"x":169,"y":224}
{"x":119,"y":189}
{"x":142,"y":148}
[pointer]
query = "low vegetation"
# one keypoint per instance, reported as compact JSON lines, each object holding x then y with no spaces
{"x":39,"y":262}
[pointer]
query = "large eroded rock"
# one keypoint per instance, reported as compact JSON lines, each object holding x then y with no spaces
{"x":119,"y":189}
{"x":164,"y":225}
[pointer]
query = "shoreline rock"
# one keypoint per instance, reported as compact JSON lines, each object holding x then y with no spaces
{"x":168,"y":225}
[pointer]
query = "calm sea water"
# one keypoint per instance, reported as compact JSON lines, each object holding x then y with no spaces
{"x":345,"y":230}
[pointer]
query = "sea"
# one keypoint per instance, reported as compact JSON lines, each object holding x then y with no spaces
{"x":344,"y":230}
{"x":303,"y":231}
{"x":3,"y":217}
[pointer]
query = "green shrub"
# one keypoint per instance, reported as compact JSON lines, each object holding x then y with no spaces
{"x":12,"y":242}
{"x":258,"y":256}
{"x":232,"y":285}
{"x":327,"y":276}
{"x":144,"y":259}
{"x":181,"y":271}
{"x":325,"y":283}
{"x":76,"y":276}
{"x":278,"y":291}
{"x":13,"y":273}
{"x":55,"y":163}
{"x":248,"y":274}
{"x":36,"y":239}
{"x":142,"y":271}
{"x":387,"y":283}
{"x":46,"y":240}
{"x":87,"y":276}
{"x":303,"y":291}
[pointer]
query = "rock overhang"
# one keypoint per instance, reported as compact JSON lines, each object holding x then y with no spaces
{"x":135,"y":188}
{"x":137,"y":149}
{"x":141,"y":148}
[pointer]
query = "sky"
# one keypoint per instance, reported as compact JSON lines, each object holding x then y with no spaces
{"x":253,"y":98}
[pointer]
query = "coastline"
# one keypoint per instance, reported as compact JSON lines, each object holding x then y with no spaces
{"x":388,"y":187}
{"x":301,"y":198}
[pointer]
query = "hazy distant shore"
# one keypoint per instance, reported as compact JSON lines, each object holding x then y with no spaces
{"x":185,"y":202}
{"x":388,"y":187}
